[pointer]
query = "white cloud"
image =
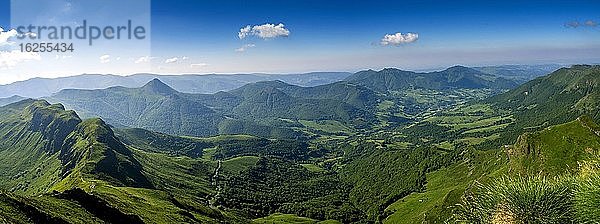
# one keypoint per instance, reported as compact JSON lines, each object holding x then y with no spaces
{"x":198,"y":65}
{"x":399,"y":39}
{"x":104,"y":58}
{"x":245,"y":32}
{"x":9,"y":59}
{"x":171,"y":60}
{"x":265,"y":31}
{"x":144,"y":59}
{"x":245,"y":47}
{"x":59,"y":57}
{"x":175,"y":59}
{"x":5,"y":35}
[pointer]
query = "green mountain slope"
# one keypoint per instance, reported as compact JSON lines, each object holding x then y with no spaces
{"x":161,"y":143}
{"x":557,"y":149}
{"x":563,"y":151}
{"x":561,"y":95}
{"x":57,"y":168}
{"x":551,"y":177}
{"x":557,"y":98}
{"x":549,"y":135}
{"x":45,"y":146}
{"x":264,"y":100}
{"x":355,"y":95}
{"x":154,"y":106}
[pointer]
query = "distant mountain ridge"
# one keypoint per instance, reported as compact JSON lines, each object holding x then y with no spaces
{"x":519,"y":73}
{"x":212,"y":83}
{"x":12,"y":99}
{"x":209,"y":83}
{"x":391,"y":79}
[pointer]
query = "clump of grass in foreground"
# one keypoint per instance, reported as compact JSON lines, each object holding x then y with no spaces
{"x":518,"y":200}
{"x":587,"y":200}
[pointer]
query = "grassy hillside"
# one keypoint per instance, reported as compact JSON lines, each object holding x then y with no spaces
{"x":51,"y":146}
{"x":162,"y":143}
{"x":556,"y":150}
{"x":472,"y":189}
{"x":445,"y":187}
{"x":63,"y":169}
{"x":557,"y":98}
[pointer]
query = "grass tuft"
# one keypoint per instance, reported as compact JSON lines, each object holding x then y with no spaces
{"x":519,"y":200}
{"x":587,"y":200}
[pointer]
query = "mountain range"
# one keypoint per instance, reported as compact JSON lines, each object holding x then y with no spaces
{"x":209,"y":83}
{"x":252,"y":109}
{"x":452,"y":78}
{"x":12,"y":99}
{"x":212,"y":83}
{"x":519,"y":73}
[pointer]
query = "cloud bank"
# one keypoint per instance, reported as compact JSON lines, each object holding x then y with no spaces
{"x":5,"y":35}
{"x":9,"y":57}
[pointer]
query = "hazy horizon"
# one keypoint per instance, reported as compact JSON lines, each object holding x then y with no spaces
{"x":432,"y":69}
{"x":297,"y":37}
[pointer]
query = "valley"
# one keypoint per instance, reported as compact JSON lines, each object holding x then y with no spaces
{"x":388,"y":146}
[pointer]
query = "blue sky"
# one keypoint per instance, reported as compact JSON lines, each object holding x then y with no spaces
{"x":202,"y":36}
